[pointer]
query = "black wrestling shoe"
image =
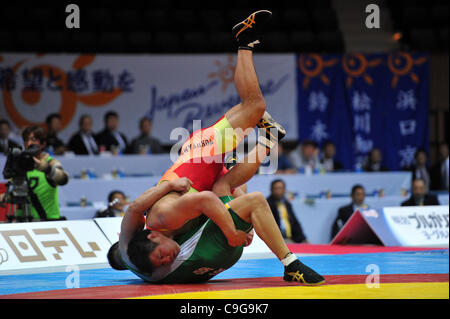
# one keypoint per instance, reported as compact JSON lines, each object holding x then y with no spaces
{"x":296,"y":271}
{"x":267,"y":134}
{"x":248,"y":32}
{"x":115,"y":259}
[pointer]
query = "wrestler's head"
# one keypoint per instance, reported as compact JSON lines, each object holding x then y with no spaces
{"x":151,"y":249}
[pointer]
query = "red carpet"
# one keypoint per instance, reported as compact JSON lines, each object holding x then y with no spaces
{"x":348,"y":249}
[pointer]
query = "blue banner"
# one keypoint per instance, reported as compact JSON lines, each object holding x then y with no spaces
{"x":365,"y":101}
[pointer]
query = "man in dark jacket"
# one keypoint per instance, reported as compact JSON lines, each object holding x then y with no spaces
{"x":110,"y":139}
{"x":283,"y":213}
{"x":83,"y":142}
{"x":419,"y":195}
{"x":344,"y":213}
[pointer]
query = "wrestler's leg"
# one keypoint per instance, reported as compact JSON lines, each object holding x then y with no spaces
{"x":254,"y":209}
{"x":241,"y":172}
{"x":252,"y":107}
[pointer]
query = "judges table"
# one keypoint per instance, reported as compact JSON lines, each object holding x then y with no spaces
{"x":315,"y":215}
{"x":339,"y":184}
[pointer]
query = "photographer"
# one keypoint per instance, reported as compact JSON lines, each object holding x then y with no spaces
{"x":43,"y":178}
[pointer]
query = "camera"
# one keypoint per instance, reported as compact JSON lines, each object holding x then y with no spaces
{"x":19,"y":162}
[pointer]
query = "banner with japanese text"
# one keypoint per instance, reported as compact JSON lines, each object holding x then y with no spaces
{"x":365,"y":101}
{"x":173,"y":90}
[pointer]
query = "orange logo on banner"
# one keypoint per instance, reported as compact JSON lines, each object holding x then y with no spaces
{"x":312,"y":66}
{"x":401,"y":63}
{"x":225,"y":73}
{"x":355,"y":65}
{"x":69,"y":99}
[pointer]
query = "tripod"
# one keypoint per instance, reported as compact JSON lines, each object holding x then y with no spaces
{"x":17,"y":197}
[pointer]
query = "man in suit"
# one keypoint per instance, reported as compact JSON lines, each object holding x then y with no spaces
{"x":83,"y":142}
{"x":110,"y":139}
{"x":145,"y":143}
{"x":283,"y":213}
{"x":5,"y":141}
{"x":374,"y":160}
{"x":419,"y":169}
{"x":358,"y":196}
{"x":419,"y":195}
{"x":328,"y":162}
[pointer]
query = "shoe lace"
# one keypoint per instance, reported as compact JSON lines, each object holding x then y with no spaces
{"x":248,"y":23}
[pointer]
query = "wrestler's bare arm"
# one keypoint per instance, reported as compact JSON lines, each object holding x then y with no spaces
{"x":173,"y":214}
{"x":134,"y":220}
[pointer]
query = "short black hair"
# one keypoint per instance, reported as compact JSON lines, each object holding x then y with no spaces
{"x":277,"y":181}
{"x":356,"y":187}
{"x":52,"y":116}
{"x":3,"y":121}
{"x":115,"y":259}
{"x":326,"y":143}
{"x":110,"y":114}
{"x":143,"y":119}
{"x":37,"y":131}
{"x":82,"y":118}
{"x":114,"y":192}
{"x":420,"y":150}
{"x":139,"y":249}
{"x":310,"y":143}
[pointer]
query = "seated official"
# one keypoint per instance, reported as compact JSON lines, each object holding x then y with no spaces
{"x":419,"y":195}
{"x":44,"y":179}
{"x":358,"y":196}
{"x":284,"y":214}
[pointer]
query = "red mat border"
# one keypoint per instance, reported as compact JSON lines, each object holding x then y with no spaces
{"x":132,"y":291}
{"x":349,"y":249}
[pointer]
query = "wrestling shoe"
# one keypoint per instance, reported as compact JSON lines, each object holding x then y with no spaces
{"x":248,"y":32}
{"x":267,"y":134}
{"x":296,"y":271}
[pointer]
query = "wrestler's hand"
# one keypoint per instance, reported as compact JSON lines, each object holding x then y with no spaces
{"x":237,"y":239}
{"x":181,"y":185}
{"x":249,"y":238}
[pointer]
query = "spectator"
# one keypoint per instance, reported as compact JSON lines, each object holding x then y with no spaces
{"x":358,"y":196}
{"x":305,"y":157}
{"x":439,"y":172}
{"x":373,"y":163}
{"x":110,"y":139}
{"x":284,"y":164}
{"x":5,"y":141}
{"x":144,"y":143}
{"x":54,"y":144}
{"x":419,"y":195}
{"x":114,"y":209}
{"x":83,"y":142}
{"x":419,"y":169}
{"x":283,"y":213}
{"x":44,"y":179}
{"x":328,"y":162}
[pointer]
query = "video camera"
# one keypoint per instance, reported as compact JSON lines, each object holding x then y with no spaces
{"x":19,"y":162}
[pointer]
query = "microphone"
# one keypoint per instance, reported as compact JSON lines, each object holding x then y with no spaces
{"x":114,"y":202}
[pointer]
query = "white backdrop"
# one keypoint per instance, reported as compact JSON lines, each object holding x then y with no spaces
{"x":173,"y":89}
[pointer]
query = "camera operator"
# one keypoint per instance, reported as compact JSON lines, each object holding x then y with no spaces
{"x":44,"y":179}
